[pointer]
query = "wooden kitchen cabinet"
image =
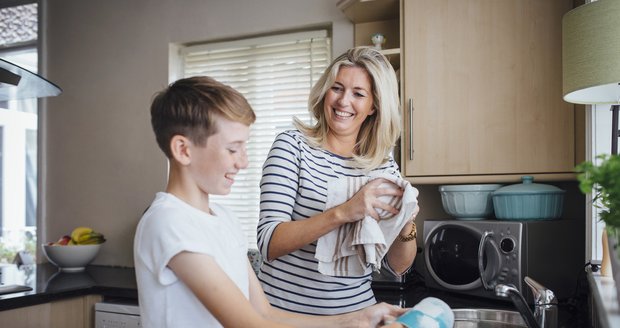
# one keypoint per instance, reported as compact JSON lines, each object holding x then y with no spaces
{"x":75,"y":312}
{"x":482,"y":92}
{"x":375,"y":16}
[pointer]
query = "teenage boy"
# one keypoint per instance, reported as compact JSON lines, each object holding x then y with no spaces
{"x":191,"y":254}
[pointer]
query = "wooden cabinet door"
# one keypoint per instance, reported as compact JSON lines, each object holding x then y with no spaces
{"x":75,"y":312}
{"x":482,"y":89}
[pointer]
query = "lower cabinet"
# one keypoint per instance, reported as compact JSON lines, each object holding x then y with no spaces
{"x":78,"y":312}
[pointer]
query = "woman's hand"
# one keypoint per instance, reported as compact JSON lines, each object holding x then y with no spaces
{"x":369,"y":199}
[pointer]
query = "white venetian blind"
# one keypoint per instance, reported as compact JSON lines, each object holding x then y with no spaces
{"x":275,"y":74}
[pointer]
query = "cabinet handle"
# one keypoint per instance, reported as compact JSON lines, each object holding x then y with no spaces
{"x":410,"y":105}
{"x":483,"y":240}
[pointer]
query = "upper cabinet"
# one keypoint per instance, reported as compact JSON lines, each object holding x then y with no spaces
{"x":482,"y":92}
{"x":481,"y":87}
{"x":375,"y":16}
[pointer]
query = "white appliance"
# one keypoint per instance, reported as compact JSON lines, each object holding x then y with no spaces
{"x":117,"y":315}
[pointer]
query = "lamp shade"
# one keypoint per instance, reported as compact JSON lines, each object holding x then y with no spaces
{"x":19,"y":83}
{"x":591,"y":53}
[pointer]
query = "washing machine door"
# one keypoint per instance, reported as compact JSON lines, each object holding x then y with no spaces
{"x":457,"y":256}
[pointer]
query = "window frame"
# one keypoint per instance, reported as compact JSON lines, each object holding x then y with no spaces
{"x":598,"y":141}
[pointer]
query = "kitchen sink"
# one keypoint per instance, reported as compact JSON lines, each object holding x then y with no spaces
{"x":487,"y":318}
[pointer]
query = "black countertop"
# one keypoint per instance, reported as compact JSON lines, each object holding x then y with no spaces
{"x":48,"y":284}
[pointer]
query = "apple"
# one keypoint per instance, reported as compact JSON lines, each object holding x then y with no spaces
{"x":64,"y":240}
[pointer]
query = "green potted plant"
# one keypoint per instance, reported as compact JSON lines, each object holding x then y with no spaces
{"x":603,"y":181}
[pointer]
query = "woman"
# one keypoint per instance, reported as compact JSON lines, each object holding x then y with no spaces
{"x":356,"y":107}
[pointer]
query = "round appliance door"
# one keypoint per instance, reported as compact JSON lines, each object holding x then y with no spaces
{"x":452,"y":257}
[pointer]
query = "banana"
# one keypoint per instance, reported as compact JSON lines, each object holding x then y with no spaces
{"x":91,"y":238}
{"x":93,"y":241}
{"x":78,"y":232}
{"x":86,"y":236}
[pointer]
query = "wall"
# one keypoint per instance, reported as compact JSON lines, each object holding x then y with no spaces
{"x":101,"y":164}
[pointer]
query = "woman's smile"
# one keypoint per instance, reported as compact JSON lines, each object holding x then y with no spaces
{"x":349,"y":101}
{"x":342,"y":114}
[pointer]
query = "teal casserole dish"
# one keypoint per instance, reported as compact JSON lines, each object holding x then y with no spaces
{"x":528,"y":201}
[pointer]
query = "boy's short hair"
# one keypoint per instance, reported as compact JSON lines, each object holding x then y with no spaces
{"x":190,"y":106}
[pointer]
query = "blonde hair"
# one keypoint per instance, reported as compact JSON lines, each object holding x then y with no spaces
{"x":378,"y":132}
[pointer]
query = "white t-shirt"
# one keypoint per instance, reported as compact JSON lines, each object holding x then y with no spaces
{"x":169,"y":227}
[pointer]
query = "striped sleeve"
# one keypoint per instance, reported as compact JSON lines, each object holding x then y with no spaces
{"x":278,"y":187}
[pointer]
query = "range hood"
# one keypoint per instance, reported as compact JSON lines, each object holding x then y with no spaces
{"x":19,"y":83}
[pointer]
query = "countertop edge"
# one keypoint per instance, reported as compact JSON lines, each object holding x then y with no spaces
{"x":49,"y":285}
{"x":42,"y":298}
{"x":604,"y":296}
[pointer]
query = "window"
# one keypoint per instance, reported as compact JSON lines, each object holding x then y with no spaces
{"x":600,"y":136}
{"x":275,"y":74}
{"x":18,"y":136}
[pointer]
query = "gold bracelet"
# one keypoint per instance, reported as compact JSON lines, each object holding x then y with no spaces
{"x":411,"y":236}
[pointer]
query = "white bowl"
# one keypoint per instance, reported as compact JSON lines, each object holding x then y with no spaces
{"x":71,"y":258}
{"x":468,"y":202}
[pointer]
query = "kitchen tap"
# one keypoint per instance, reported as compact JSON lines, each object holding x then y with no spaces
{"x":545,"y":304}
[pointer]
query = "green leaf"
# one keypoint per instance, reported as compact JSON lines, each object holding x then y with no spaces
{"x":603,"y":181}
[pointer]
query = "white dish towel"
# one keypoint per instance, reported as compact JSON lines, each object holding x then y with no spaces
{"x":353,"y":247}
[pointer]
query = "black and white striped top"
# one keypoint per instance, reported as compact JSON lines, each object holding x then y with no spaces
{"x":293,"y":187}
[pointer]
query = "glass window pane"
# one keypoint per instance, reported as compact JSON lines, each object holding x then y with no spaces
{"x":28,"y":59}
{"x":601,"y":144}
{"x":31,"y":179}
{"x":275,"y":74}
{"x":19,"y":25}
{"x":18,"y":137}
{"x":1,"y":182}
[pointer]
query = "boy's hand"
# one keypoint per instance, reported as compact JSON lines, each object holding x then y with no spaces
{"x":377,"y":314}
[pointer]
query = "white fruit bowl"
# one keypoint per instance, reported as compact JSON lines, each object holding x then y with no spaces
{"x":71,"y":258}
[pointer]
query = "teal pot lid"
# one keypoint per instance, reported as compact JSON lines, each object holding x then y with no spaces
{"x":528,"y":187}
